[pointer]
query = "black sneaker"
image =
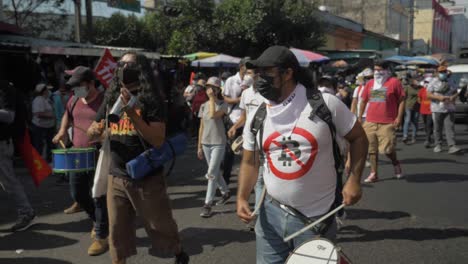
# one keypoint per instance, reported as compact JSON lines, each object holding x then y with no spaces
{"x":206,"y":211}
{"x":224,"y":199}
{"x":24,"y":222}
{"x":182,"y":258}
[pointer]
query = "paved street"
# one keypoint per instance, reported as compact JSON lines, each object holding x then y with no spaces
{"x":422,"y":218}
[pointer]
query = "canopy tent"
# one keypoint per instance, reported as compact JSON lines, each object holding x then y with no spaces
{"x":422,"y":61}
{"x":305,"y":57}
{"x":443,"y":57}
{"x":399,"y":59}
{"x":221,"y":60}
{"x":199,"y":55}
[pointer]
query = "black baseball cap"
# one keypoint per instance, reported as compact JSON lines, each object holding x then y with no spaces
{"x":80,"y":74}
{"x":275,"y":56}
{"x":244,"y":60}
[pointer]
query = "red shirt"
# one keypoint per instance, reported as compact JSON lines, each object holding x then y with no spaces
{"x":425,"y":103}
{"x":83,"y":116}
{"x":199,"y":99}
{"x":383,"y":102}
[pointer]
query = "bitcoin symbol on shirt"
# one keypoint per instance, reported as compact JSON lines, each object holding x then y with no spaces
{"x":290,"y":146}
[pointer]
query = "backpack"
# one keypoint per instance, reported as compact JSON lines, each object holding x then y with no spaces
{"x":319,"y":109}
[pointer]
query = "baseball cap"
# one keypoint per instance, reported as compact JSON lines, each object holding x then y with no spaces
{"x":80,"y":74}
{"x":214,"y":81}
{"x":275,"y":56}
{"x":244,"y":60}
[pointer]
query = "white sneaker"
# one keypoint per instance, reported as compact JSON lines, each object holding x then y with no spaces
{"x":437,"y":149}
{"x":453,"y":149}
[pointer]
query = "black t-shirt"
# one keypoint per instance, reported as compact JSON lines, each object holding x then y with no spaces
{"x":7,"y":102}
{"x":125,"y":143}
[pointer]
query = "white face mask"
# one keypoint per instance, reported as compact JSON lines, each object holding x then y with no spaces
{"x":81,"y":91}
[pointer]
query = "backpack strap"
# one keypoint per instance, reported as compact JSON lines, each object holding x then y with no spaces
{"x":320,"y":109}
{"x":257,"y":125}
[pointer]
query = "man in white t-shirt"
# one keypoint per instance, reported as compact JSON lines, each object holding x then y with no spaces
{"x":299,"y":163}
{"x":367,"y":75}
{"x":232,"y":95}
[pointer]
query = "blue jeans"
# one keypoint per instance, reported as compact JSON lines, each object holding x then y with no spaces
{"x":259,"y":186}
{"x":214,"y":154}
{"x":80,"y":189}
{"x":273,"y":225}
{"x":411,"y":117}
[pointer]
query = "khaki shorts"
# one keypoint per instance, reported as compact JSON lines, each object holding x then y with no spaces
{"x":149,"y":200}
{"x":382,"y":137}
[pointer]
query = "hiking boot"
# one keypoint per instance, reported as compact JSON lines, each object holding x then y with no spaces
{"x":224,"y":199}
{"x":437,"y":149}
{"x":371,"y":178}
{"x":206,"y":211}
{"x":74,"y":208}
{"x":24,"y":222}
{"x":182,"y":258}
{"x":98,"y":247}
{"x":397,"y":170}
{"x":453,"y":149}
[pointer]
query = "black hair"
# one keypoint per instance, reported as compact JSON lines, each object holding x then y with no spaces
{"x":150,"y":91}
{"x":382,"y":63}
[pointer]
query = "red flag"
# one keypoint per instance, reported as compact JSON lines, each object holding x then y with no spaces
{"x":192,"y":76}
{"x":37,"y":166}
{"x":105,"y":68}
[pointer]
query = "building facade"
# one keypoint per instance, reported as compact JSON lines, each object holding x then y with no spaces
{"x":391,"y":18}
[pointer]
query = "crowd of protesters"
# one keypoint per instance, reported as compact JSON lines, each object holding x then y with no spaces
{"x":368,"y":107}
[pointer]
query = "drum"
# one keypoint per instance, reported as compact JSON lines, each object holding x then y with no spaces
{"x":73,"y":160}
{"x":317,"y":251}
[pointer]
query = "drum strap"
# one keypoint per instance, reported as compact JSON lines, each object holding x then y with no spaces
{"x":320,"y":229}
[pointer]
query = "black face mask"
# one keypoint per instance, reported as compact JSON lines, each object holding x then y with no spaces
{"x":129,"y":74}
{"x":264,"y":85}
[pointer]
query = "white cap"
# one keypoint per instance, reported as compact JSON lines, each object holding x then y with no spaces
{"x":367,"y":72}
{"x":40,"y":87}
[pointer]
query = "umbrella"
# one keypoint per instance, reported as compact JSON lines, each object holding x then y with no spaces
{"x":221,"y":60}
{"x":399,"y":59}
{"x":422,"y":61}
{"x":199,"y":55}
{"x":305,"y":57}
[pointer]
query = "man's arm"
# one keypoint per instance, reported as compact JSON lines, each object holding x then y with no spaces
{"x":240,"y":123}
{"x":248,"y":175}
{"x":357,"y":154}
{"x":230,"y":100}
{"x":401,"y":110}
{"x":62,"y":133}
{"x":435,"y":97}
{"x":354,"y":106}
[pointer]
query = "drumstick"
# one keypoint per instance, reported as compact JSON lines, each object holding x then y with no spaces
{"x":314,"y":223}
{"x":257,"y":207}
{"x":61,"y":144}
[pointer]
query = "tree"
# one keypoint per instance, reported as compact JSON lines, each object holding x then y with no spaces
{"x":120,"y":30}
{"x":23,"y":14}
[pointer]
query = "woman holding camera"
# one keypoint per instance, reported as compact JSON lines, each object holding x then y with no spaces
{"x":212,"y":143}
{"x":141,"y":124}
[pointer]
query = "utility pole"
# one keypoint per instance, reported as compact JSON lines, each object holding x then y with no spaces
{"x":1,"y":10}
{"x":77,"y":20}
{"x":89,"y":21}
{"x":411,"y":25}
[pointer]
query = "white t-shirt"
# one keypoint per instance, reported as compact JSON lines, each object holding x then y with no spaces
{"x":357,"y":94}
{"x":189,"y":89}
{"x":41,"y":104}
{"x":233,"y":90}
{"x":250,"y":100}
{"x":299,"y":168}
